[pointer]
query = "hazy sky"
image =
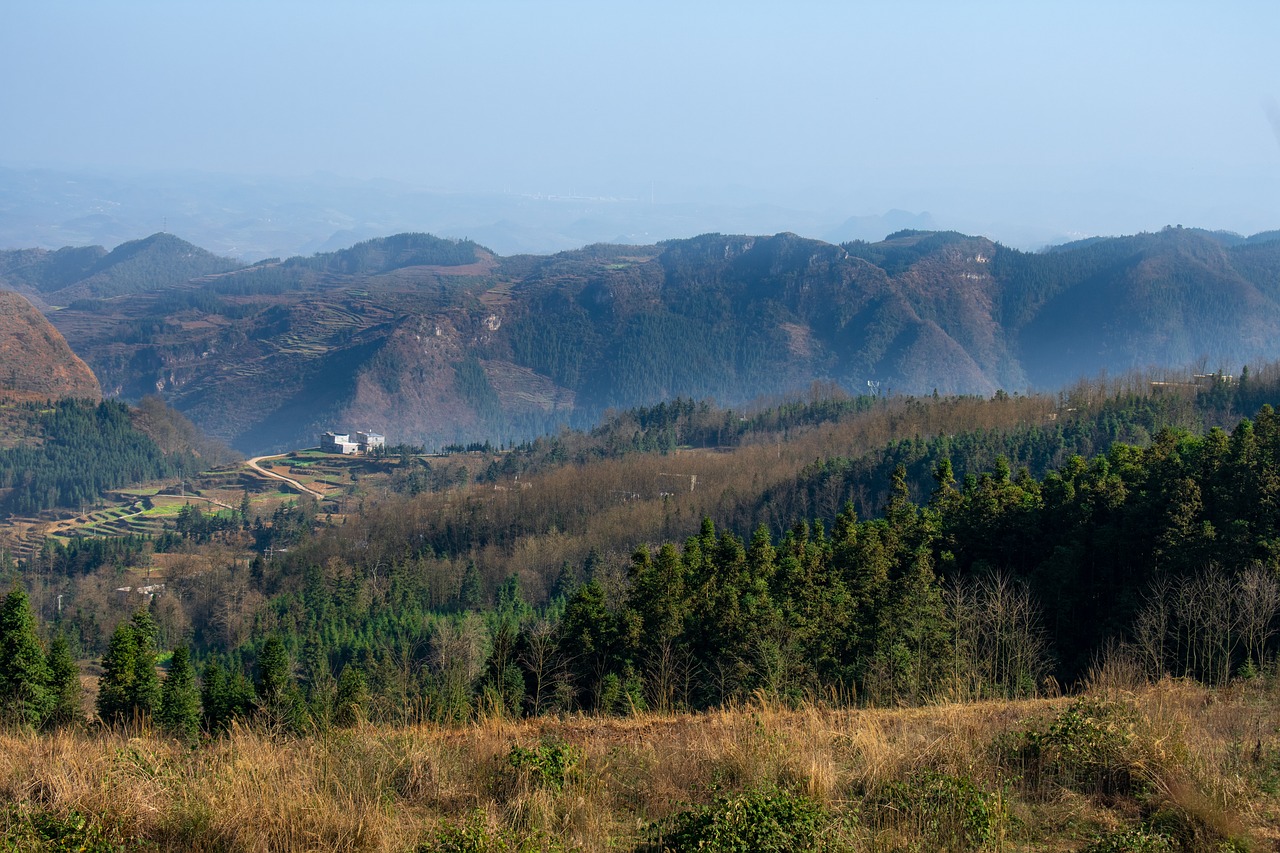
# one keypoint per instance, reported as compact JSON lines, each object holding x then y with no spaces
{"x":1087,"y":117}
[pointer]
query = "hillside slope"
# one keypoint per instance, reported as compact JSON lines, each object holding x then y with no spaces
{"x":35,"y":361}
{"x":433,"y":341}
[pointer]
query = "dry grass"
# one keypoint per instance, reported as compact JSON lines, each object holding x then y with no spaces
{"x":1206,"y":755}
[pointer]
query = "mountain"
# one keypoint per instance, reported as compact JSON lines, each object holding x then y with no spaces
{"x":35,"y":361}
{"x":435,"y":341}
{"x":62,"y":276}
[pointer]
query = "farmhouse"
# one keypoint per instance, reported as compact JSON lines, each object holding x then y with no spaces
{"x":344,"y":443}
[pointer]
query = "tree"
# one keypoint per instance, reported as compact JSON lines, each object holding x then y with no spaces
{"x":278,"y":697}
{"x":117,"y":674}
{"x":179,"y":713}
{"x":224,"y":697}
{"x":24,"y":672}
{"x":129,"y":686}
{"x":64,"y":684}
{"x":351,"y":705}
{"x":471,"y":593}
{"x":146,"y":683}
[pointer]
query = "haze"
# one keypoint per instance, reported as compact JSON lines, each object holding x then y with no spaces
{"x":1023,"y":123}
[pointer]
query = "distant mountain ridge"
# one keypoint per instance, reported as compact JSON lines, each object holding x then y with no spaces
{"x":62,"y":276}
{"x":433,"y":341}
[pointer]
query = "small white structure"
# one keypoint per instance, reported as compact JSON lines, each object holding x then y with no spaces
{"x":370,"y":441}
{"x":347,"y":445}
{"x":332,"y":442}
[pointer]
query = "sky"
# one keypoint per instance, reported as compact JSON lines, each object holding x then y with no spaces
{"x":1080,"y":117}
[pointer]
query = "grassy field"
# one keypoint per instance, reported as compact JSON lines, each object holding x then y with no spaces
{"x":1166,"y":767}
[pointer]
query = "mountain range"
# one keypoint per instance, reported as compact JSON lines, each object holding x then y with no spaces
{"x":434,"y":341}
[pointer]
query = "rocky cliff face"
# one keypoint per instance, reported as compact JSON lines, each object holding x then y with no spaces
{"x":35,"y":361}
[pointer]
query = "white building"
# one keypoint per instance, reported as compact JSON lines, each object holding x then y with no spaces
{"x":370,"y":441}
{"x":346,"y":444}
{"x":332,"y":442}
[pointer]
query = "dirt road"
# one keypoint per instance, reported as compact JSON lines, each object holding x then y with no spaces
{"x":253,"y":463}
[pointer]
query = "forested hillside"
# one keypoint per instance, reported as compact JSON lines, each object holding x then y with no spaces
{"x":434,"y":341}
{"x":1006,"y":541}
{"x":657,"y":564}
{"x":73,"y":450}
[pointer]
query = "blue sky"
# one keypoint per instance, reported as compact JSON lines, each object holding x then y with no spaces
{"x":1080,"y":116}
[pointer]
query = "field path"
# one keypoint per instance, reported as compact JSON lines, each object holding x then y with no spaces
{"x":253,"y":463}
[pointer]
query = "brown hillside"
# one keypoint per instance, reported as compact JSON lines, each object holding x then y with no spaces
{"x":35,"y":361}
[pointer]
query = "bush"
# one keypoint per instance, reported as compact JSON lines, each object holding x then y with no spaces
{"x":949,"y":812}
{"x":1089,"y":748}
{"x":770,"y":821}
{"x":551,"y":763}
{"x":42,"y":830}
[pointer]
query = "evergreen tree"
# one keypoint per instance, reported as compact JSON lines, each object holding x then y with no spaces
{"x":471,"y":593}
{"x":146,"y":682}
{"x":224,"y":697}
{"x":319,"y":687}
{"x":24,"y":672}
{"x":351,"y":705}
{"x":64,"y":684}
{"x":115,"y":687}
{"x":179,"y":713}
{"x":129,"y":686}
{"x":278,"y":698}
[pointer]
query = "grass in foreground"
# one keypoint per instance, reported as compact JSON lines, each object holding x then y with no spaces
{"x":1171,"y":767}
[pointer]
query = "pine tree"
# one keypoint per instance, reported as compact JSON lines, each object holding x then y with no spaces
{"x":213,"y":698}
{"x":115,"y":688}
{"x":278,"y":698}
{"x":64,"y":684}
{"x":318,"y":683}
{"x":471,"y":593}
{"x":146,"y":683}
{"x":179,"y":713}
{"x":24,"y":673}
{"x":129,"y":686}
{"x":352,"y":702}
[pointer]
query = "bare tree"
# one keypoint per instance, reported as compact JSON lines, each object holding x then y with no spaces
{"x":1257,"y":595}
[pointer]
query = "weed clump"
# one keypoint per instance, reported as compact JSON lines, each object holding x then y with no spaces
{"x":948,"y":812}
{"x":45,"y":830}
{"x":1134,"y":840}
{"x":474,"y":835}
{"x":1090,"y":748}
{"x":552,"y":763}
{"x":758,"y":821}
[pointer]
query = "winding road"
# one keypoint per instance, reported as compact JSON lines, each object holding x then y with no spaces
{"x":253,"y":463}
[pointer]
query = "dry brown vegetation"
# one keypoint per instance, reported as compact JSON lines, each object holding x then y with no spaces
{"x":1201,"y":766}
{"x":532,"y":525}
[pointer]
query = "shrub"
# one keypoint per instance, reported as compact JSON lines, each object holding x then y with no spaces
{"x":551,"y":763}
{"x":949,"y":812}
{"x":769,"y":821}
{"x":1089,"y":748}
{"x":41,"y":830}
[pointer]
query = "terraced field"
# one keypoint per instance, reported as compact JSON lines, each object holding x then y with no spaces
{"x":153,"y":509}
